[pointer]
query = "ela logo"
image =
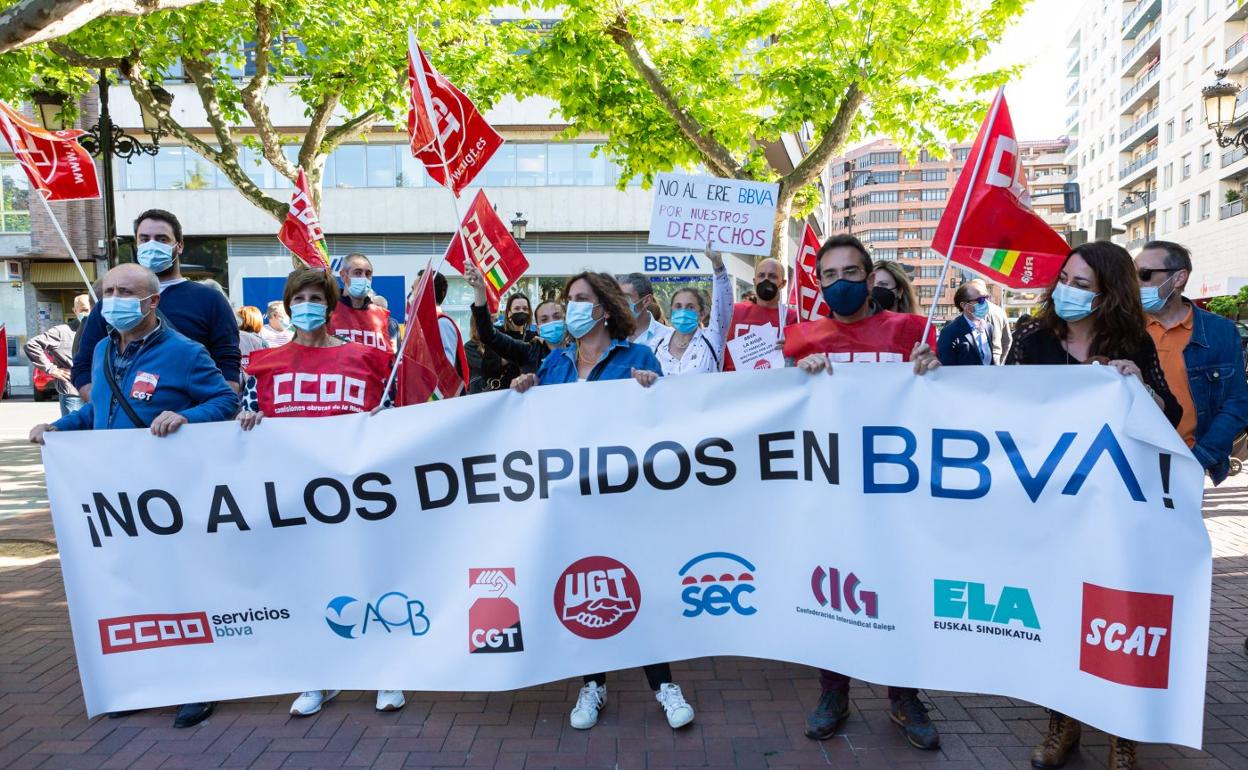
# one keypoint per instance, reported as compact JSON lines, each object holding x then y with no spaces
{"x":964,"y":601}
{"x":597,"y":597}
{"x":1126,"y":636}
{"x":493,"y":619}
{"x":714,"y":583}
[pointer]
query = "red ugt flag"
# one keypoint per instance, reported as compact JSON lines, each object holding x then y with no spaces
{"x":425,"y":374}
{"x":58,"y":167}
{"x":448,"y":134}
{"x":1000,"y":236}
{"x":301,"y":232}
{"x":805,"y":293}
{"x":486,"y":241}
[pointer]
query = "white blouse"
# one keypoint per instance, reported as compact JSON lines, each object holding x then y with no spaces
{"x":706,"y":348}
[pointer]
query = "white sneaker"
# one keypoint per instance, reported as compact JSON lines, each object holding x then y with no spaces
{"x":390,"y":700}
{"x":310,"y":702}
{"x":679,"y":712}
{"x":591,"y":700}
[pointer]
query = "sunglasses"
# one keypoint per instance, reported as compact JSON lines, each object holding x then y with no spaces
{"x":1147,"y":273}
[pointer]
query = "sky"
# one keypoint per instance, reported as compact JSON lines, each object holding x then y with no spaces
{"x":1037,"y":99}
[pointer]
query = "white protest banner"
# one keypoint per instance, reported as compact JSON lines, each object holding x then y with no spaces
{"x":1045,"y":544}
{"x":756,"y":349}
{"x":733,"y":214}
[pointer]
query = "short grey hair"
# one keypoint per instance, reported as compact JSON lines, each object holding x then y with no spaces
{"x":640,"y":283}
{"x":274,"y":305}
{"x":1177,"y":256}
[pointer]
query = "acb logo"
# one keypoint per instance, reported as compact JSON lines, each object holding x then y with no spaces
{"x":717,"y":583}
{"x":392,"y":612}
{"x":829,"y":589}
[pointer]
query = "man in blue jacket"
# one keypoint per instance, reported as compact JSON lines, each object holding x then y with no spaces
{"x":164,"y":381}
{"x":196,"y":311}
{"x":1200,"y":354}
{"x":967,"y":339}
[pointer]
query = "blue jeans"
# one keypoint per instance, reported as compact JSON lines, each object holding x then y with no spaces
{"x":69,"y":403}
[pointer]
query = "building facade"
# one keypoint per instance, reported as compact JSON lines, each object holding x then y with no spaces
{"x":1140,"y":148}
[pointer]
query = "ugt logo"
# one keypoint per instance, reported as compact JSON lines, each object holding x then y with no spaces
{"x":351,"y":618}
{"x":1126,"y":636}
{"x":856,"y":600}
{"x":597,"y":597}
{"x":724,"y":580}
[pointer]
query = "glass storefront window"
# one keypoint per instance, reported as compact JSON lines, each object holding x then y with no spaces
{"x":411,"y":171}
{"x":501,"y":169}
{"x":530,"y":165}
{"x":382,"y":170}
{"x":560,"y":165}
{"x":590,"y":170}
{"x":170,"y":169}
{"x":349,"y":166}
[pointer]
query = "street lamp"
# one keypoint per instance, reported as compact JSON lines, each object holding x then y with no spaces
{"x":1221,"y":100}
{"x":105,"y":140}
{"x":519,"y":227}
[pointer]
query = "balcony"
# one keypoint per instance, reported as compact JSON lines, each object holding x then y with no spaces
{"x":1228,"y":210}
{"x":1237,"y":54}
{"x":1132,"y":245}
{"x":1233,"y":155}
{"x":1241,"y":10}
{"x":1144,"y":12}
{"x":1072,"y":64}
{"x":1072,"y":119}
{"x":1150,"y":117}
{"x":1150,"y":40}
{"x":1144,"y":160}
{"x":1072,"y":94}
{"x":1144,"y":86}
{"x":1070,"y":148}
{"x":1143,"y":202}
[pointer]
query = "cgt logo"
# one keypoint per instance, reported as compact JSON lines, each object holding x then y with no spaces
{"x":493,"y":618}
{"x":724,"y":581}
{"x":597,"y":597}
{"x":146,"y":632}
{"x":1126,"y":636}
{"x":351,"y":618}
{"x":856,"y":600}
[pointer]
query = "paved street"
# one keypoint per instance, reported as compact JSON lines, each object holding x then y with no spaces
{"x":750,"y":712}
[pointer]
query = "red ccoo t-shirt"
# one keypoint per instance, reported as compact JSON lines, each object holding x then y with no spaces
{"x":299,"y":381}
{"x":883,"y":337}
{"x":369,"y":326}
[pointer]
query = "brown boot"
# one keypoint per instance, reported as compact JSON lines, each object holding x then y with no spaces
{"x":1062,"y":738}
{"x":1121,"y":754}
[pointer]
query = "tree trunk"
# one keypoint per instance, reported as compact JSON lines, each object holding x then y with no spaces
{"x":780,"y":226}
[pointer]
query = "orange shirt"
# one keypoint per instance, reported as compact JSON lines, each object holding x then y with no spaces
{"x":1170,"y":344}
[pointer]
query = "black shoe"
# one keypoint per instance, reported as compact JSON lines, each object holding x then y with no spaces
{"x":823,"y":722}
{"x":911,"y":716}
{"x":191,"y":714}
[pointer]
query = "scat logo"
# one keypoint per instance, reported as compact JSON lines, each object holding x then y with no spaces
{"x":716,"y":583}
{"x":1126,"y":636}
{"x":597,"y":597}
{"x":392,"y":612}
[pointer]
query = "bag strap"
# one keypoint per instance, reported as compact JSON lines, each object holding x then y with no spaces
{"x":111,"y":378}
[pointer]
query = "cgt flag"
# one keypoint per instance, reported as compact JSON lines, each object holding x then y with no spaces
{"x":301,"y":232}
{"x":425,"y":374}
{"x":448,"y":135}
{"x":805,"y":293}
{"x":57,"y":166}
{"x":486,"y":241}
{"x":988,"y":224}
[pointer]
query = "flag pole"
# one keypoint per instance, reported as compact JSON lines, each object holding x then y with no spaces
{"x":56,"y":223}
{"x":966,"y":200}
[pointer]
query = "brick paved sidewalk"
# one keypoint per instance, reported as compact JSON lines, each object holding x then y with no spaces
{"x":749,"y":712}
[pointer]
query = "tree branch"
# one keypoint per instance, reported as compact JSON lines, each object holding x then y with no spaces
{"x":318,"y":125}
{"x":254,"y":92}
{"x":79,"y":59}
{"x":717,"y":156}
{"x":832,"y":137}
{"x":37,"y":21}
{"x":351,"y":129}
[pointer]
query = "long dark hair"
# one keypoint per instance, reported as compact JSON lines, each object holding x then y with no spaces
{"x":512,"y":301}
{"x":1119,"y":326}
{"x":620,"y":324}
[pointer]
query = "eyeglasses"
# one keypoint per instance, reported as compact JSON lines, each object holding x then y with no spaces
{"x":1146,"y":274}
{"x":980,"y":301}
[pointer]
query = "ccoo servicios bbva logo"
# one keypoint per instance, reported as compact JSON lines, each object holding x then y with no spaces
{"x":390,"y":613}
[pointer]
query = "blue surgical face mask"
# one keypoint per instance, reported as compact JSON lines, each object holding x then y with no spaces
{"x":307,"y":316}
{"x":124,"y":313}
{"x":981,"y":309}
{"x":1072,"y":303}
{"x":1150,"y":296}
{"x":553,"y":331}
{"x":685,"y":320}
{"x":358,"y":287}
{"x":155,"y":256}
{"x":633,"y":308}
{"x":845,"y":297}
{"x":580,"y":319}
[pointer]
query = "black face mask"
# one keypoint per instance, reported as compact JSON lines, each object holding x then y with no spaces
{"x":884,"y":297}
{"x":520,"y":319}
{"x":766,"y":290}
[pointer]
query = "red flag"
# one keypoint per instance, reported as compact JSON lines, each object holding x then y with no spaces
{"x":486,"y":241}
{"x":425,"y":374}
{"x":805,"y":293}
{"x":448,"y":134}
{"x":990,"y":216}
{"x":301,"y":232}
{"x":55,"y":163}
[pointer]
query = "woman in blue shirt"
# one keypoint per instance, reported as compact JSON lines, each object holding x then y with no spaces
{"x":600,"y":323}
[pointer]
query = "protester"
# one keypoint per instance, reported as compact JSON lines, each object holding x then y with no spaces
{"x":892,"y":289}
{"x":692,"y":348}
{"x":277,"y":330}
{"x":1200,"y":354}
{"x":527,"y":355}
{"x":357,"y":317}
{"x":52,"y":352}
{"x":198,"y":312}
{"x":967,"y":340}
{"x":1002,"y":333}
{"x":858,"y":330}
{"x":486,"y":368}
{"x":639,"y":292}
{"x":393,"y":329}
{"x":249,"y":326}
{"x":517,"y":315}
{"x":448,"y":330}
{"x":150,"y":376}
{"x":764,"y":313}
{"x":275,"y":387}
{"x":1093,"y":314}
{"x":601,"y":322}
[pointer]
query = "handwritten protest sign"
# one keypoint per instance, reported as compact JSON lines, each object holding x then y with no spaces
{"x":733,"y":214}
{"x":756,"y":349}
